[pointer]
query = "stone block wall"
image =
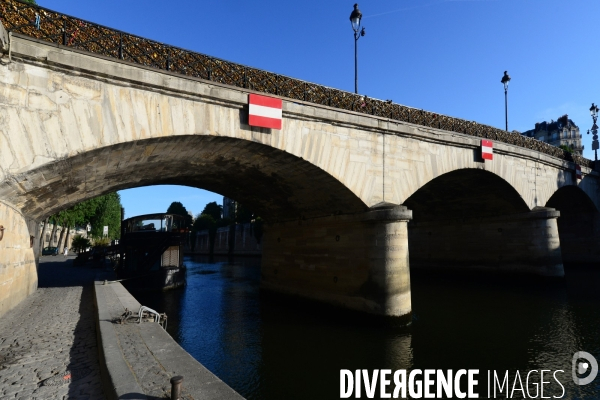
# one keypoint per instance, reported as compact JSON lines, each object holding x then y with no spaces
{"x":229,"y":240}
{"x":521,"y":243}
{"x":18,"y":267}
{"x":222,"y":241}
{"x":245,"y":242}
{"x":202,"y":242}
{"x":358,"y":261}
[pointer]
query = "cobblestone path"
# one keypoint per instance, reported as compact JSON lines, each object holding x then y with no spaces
{"x":48,"y":346}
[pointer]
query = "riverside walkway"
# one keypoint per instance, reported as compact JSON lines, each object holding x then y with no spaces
{"x":48,"y":346}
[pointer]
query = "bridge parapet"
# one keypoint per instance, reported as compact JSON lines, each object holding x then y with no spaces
{"x":75,"y":33}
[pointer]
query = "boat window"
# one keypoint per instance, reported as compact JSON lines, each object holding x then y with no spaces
{"x":166,"y":223}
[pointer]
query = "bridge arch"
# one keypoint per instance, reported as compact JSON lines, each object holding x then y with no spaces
{"x":275,"y":184}
{"x":75,"y":125}
{"x":465,"y":194}
{"x":474,"y":219}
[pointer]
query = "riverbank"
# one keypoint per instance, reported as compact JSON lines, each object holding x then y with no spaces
{"x":61,"y":342}
{"x":48,"y":342}
{"x":140,"y":359}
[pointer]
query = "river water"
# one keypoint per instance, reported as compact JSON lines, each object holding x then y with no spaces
{"x":269,"y":347}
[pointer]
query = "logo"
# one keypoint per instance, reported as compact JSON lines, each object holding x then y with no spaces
{"x":465,"y":383}
{"x":582,"y":367}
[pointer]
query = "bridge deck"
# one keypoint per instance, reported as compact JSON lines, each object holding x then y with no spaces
{"x":75,"y":33}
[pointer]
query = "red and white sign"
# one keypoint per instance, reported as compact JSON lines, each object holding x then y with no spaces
{"x":577,"y":172}
{"x":487,"y":150}
{"x":264,"y":112}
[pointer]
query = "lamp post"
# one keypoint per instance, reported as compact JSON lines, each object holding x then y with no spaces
{"x":505,"y":80}
{"x":355,"y":18}
{"x":594,"y":113}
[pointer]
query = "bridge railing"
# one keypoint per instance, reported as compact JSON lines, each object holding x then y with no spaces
{"x":62,"y":29}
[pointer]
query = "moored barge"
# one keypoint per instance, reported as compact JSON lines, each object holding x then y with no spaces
{"x":151,"y":253}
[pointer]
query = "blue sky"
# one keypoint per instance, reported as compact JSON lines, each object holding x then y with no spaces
{"x":445,"y":56}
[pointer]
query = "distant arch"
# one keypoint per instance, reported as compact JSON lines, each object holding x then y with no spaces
{"x":578,"y":225}
{"x":571,"y":198}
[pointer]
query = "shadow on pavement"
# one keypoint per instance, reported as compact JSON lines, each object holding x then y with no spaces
{"x":59,"y":271}
{"x":83,"y":371}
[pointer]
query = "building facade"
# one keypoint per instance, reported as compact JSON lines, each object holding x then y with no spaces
{"x":228,"y":208}
{"x":52,"y":236}
{"x":562,"y":132}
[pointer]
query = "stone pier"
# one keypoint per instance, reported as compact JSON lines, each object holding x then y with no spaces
{"x":526,"y":243}
{"x":357,"y":261}
{"x":18,"y":272}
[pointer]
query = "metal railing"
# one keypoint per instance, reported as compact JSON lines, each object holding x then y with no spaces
{"x":62,"y":29}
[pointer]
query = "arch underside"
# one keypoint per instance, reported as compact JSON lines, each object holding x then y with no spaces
{"x":578,"y":225}
{"x":571,"y":199}
{"x":465,"y":194}
{"x":271,"y":182}
{"x":471,"y":219}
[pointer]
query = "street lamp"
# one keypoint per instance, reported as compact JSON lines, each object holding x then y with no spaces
{"x":594,"y":113}
{"x":355,"y":18}
{"x":505,"y":80}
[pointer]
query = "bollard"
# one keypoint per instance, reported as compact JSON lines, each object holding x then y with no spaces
{"x":176,"y":387}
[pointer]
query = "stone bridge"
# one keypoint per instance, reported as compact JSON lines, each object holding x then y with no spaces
{"x":351,"y":200}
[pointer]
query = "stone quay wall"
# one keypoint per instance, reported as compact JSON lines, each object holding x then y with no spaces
{"x":18,"y":264}
{"x":238,"y":239}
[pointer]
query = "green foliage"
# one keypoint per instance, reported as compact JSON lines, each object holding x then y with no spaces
{"x":107,"y":212}
{"x":210,"y":219}
{"x":204,"y":221}
{"x":214,"y":210}
{"x":30,"y":2}
{"x":178,"y":209}
{"x":102,"y":241}
{"x":98,"y":212}
{"x":224,"y":222}
{"x":80,"y":243}
{"x":566,"y":148}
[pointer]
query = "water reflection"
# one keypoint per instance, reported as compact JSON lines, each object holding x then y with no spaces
{"x":267,"y":347}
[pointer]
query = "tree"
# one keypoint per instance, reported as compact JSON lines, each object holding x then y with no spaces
{"x":53,"y":233}
{"x":80,"y":243}
{"x":107,"y":213}
{"x":30,"y":2}
{"x":205,"y":222}
{"x":44,"y":229}
{"x":99,"y":212}
{"x":214,"y":210}
{"x":178,"y":209}
{"x":67,"y":220}
{"x":566,"y":148}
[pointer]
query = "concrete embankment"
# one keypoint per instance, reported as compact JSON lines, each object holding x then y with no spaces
{"x":235,"y":240}
{"x":138,"y":360}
